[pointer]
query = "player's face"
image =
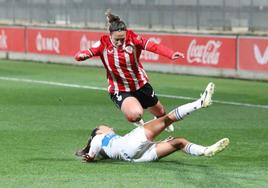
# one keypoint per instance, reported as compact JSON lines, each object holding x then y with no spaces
{"x":118,"y":38}
{"x":104,"y":129}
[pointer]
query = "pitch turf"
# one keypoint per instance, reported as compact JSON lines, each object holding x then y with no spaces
{"x":41,"y":126}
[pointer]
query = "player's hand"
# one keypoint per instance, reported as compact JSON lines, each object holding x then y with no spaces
{"x":81,"y":56}
{"x":87,"y":158}
{"x":177,"y":55}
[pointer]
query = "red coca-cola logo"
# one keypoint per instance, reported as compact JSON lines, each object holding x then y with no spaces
{"x":204,"y":53}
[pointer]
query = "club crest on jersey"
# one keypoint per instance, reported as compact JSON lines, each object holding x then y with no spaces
{"x":129,"y":49}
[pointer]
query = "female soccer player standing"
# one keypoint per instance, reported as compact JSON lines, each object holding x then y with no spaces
{"x":128,"y":83}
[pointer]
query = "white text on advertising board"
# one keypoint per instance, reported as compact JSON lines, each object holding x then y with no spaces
{"x":204,"y":54}
{"x":47,"y":43}
{"x":85,"y":43}
{"x":261,"y":59}
{"x":3,"y":40}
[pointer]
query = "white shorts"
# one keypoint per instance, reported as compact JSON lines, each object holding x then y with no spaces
{"x":137,"y":147}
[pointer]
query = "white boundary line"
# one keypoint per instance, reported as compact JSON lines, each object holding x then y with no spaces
{"x":105,"y":89}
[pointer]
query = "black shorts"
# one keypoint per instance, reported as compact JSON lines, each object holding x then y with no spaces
{"x":145,"y":95}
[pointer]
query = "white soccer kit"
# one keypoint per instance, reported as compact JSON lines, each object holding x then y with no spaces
{"x":134,"y":147}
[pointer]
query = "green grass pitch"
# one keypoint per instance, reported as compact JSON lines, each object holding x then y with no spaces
{"x":42,"y":125}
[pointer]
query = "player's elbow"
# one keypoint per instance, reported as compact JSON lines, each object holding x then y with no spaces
{"x":151,"y":46}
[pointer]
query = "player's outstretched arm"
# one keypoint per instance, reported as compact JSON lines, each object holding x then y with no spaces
{"x":163,"y":50}
{"x":82,"y":55}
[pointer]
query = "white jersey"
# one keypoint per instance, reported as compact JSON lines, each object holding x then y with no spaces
{"x":131,"y":147}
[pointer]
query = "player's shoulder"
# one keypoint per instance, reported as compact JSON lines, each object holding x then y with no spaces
{"x":105,"y":38}
{"x":131,"y":33}
{"x":132,"y":36}
{"x":102,"y":42}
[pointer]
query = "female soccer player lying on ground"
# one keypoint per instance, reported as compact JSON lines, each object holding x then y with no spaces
{"x":129,"y":87}
{"x":138,"y":145}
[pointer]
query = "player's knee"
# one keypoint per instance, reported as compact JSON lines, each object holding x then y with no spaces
{"x":179,"y":143}
{"x":134,"y":116}
{"x":161,"y":112}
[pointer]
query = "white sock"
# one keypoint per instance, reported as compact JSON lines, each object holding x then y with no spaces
{"x":186,"y":109}
{"x":194,"y":149}
{"x":139,"y":123}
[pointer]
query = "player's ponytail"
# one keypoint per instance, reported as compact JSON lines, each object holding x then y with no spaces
{"x":114,"y":22}
{"x":92,"y":135}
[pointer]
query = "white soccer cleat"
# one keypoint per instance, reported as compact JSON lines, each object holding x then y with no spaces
{"x":170,"y":128}
{"x":207,"y":95}
{"x":217,"y":147}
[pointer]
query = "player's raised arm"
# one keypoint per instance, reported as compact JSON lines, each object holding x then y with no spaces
{"x":155,"y":48}
{"x":163,"y":50}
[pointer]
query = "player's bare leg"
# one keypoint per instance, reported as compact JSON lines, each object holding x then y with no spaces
{"x":158,"y":110}
{"x":166,"y":148}
{"x":132,"y":110}
{"x":155,"y":127}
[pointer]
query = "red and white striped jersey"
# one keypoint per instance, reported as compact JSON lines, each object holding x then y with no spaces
{"x":125,"y":73}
